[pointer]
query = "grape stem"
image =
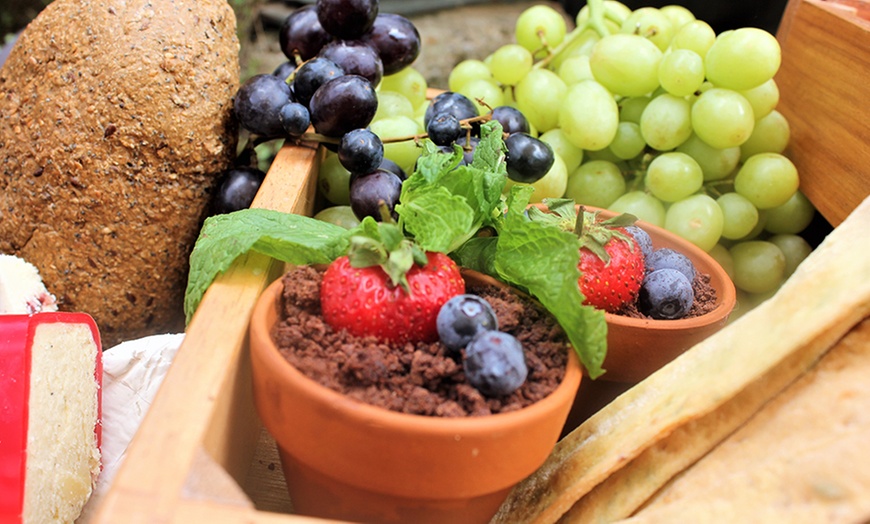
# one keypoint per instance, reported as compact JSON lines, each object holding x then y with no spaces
{"x":595,"y":21}
{"x":316,"y":137}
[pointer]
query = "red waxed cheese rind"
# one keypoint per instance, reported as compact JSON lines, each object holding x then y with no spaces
{"x":16,"y":335}
{"x":14,"y":393}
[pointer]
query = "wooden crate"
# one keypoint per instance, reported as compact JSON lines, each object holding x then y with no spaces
{"x":823,"y":83}
{"x":201,"y":454}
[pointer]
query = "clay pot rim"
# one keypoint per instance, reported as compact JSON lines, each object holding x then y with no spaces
{"x":726,"y":294}
{"x":264,"y":317}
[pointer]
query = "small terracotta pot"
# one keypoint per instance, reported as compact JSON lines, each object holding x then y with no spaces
{"x":344,"y":459}
{"x":638,"y":347}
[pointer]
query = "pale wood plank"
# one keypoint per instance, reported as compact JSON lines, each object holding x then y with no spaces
{"x":823,"y":88}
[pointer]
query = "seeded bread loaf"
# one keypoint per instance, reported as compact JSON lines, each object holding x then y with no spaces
{"x":115,"y":120}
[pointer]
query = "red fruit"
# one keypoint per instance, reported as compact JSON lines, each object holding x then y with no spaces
{"x":613,"y":280}
{"x":364,"y":302}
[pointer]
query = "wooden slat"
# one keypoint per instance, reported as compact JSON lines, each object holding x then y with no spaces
{"x":823,"y":84}
{"x":204,"y":402}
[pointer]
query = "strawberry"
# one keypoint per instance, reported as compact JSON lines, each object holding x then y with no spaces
{"x":611,"y":263}
{"x":367,"y":294}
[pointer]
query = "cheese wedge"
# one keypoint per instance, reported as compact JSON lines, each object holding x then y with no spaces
{"x":50,"y":376}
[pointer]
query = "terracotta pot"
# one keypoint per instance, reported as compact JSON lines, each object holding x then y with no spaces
{"x":347,"y":460}
{"x":638,"y":347}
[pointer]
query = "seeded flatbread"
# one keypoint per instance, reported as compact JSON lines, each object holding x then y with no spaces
{"x":823,"y":300}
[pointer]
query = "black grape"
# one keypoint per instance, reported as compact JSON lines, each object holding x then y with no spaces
{"x":468,"y":148}
{"x":313,"y":74}
{"x":343,"y":104}
{"x":347,"y":19}
{"x":355,"y":57}
{"x":456,"y":104}
{"x":511,"y":119}
{"x":396,"y":40}
{"x":368,"y":191}
{"x":528,"y":159}
{"x":389,"y":165}
{"x":444,"y":129}
{"x":284,"y":70}
{"x":237,"y":188}
{"x":257,"y":104}
{"x":302,"y":34}
{"x":360,"y":151}
{"x":295,"y":118}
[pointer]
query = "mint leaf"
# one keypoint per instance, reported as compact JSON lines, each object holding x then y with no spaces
{"x":294,"y":239}
{"x":543,"y":259}
{"x":443,"y":204}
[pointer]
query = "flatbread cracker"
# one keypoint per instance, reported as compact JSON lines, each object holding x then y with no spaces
{"x":824,"y":299}
{"x":802,"y":458}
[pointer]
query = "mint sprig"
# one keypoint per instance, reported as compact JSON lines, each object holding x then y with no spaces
{"x":444,"y":206}
{"x":294,"y":239}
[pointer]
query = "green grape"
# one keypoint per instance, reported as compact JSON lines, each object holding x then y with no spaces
{"x":770,"y":135}
{"x":767,"y":179}
{"x":681,"y":72}
{"x":716,"y":164}
{"x":596,"y":183}
{"x":742,"y":58}
{"x":740,"y":216}
{"x":759,"y":266}
{"x":580,"y":45}
{"x":721,"y":255}
{"x":794,"y":248}
{"x":551,"y":185}
{"x":763,"y":98}
{"x":698,"y":219}
{"x":678,"y":15}
{"x":792,"y":217}
{"x":408,"y":82}
{"x":673,"y":176}
{"x":540,"y":26}
{"x":391,"y":103}
{"x":631,"y":109}
{"x":722,"y":118}
{"x":602,"y":154}
{"x":568,"y":152}
{"x":485,"y":94}
{"x":651,"y":24}
{"x":466,"y":71}
{"x":339,"y":215}
{"x":333,"y":180}
{"x":588,"y":115}
{"x":626,"y":65}
{"x":574,"y":69}
{"x":628,"y":142}
{"x":696,"y":36}
{"x":541,"y":111}
{"x":666,"y":122}
{"x":510,"y":63}
{"x":613,"y":9}
{"x":404,"y":152}
{"x":642,"y":205}
{"x":759,"y":227}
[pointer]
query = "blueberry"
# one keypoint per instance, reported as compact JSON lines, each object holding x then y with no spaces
{"x":666,"y":258}
{"x":461,"y":318}
{"x":643,"y":240}
{"x":494,"y":363}
{"x":665,"y":294}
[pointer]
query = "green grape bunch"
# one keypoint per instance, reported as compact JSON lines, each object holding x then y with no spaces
{"x":655,"y":114}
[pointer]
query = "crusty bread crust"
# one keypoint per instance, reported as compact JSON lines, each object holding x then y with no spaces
{"x":115,"y":120}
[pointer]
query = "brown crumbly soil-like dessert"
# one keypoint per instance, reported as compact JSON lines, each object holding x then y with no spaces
{"x":115,"y":123}
{"x":417,"y":378}
{"x":705,"y":300}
